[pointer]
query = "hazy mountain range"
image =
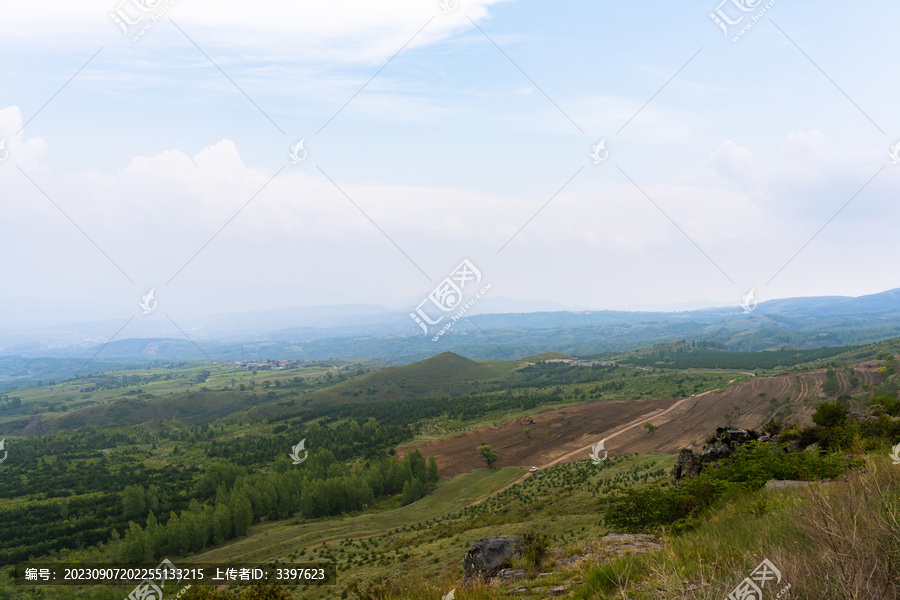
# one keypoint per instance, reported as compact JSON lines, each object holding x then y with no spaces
{"x":355,"y":331}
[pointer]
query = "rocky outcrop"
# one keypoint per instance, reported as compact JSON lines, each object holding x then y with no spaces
{"x":688,"y":464}
{"x":482,"y":562}
{"x":488,"y":556}
{"x":617,"y":544}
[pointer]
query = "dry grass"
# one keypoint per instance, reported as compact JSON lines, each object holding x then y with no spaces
{"x":839,"y":541}
{"x":855,"y":532}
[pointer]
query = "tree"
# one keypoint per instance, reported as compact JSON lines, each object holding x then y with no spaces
{"x":432,"y":475}
{"x":650,"y":428}
{"x":221,"y":524}
{"x":488,"y":454}
{"x":242,"y":513}
{"x":177,"y":535}
{"x":830,"y":414}
{"x":134,"y":501}
{"x":412,"y":491}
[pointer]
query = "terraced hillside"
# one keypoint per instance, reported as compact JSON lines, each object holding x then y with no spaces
{"x":564,"y":434}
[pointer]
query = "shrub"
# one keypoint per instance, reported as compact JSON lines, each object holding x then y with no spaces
{"x":773,"y":426}
{"x":830,"y":414}
{"x":748,"y":468}
{"x":536,"y":548}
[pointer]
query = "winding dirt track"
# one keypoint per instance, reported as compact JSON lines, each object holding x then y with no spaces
{"x":578,"y":454}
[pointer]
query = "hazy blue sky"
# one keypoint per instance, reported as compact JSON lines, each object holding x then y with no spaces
{"x":725,"y":158}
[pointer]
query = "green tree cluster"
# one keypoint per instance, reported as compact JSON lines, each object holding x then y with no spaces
{"x":323,"y":487}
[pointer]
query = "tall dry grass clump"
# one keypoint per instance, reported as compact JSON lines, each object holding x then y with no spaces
{"x":855,"y":532}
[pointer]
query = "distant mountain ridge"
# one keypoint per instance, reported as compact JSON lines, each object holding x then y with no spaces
{"x":322,"y":333}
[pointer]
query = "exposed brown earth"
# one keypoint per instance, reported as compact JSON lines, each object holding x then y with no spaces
{"x":681,"y":423}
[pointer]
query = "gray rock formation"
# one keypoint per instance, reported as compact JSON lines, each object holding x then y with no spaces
{"x":488,"y":556}
{"x":689,"y":465}
{"x":511,"y":574}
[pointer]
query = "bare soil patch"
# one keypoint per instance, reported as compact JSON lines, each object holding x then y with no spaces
{"x":680,"y":422}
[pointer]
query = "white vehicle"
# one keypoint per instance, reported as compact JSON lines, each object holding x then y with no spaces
{"x":533,"y":469}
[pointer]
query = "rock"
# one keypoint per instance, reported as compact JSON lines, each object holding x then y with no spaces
{"x":813,"y":448}
{"x":861,"y":417}
{"x":557,"y":590}
{"x":511,"y":574}
{"x":542,"y":575}
{"x":489,"y":555}
{"x":768,"y":440}
{"x":735,"y":436}
{"x":795,"y":446}
{"x":689,"y":465}
{"x":715,"y":451}
{"x":519,"y":590}
{"x":622,"y":544}
{"x":777,"y":484}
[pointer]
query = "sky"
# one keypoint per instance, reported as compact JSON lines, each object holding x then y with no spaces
{"x":161,"y":152}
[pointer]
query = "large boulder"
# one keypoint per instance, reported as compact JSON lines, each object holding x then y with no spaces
{"x":690,"y":465}
{"x":687,"y":465}
{"x":488,"y":556}
{"x":735,"y":436}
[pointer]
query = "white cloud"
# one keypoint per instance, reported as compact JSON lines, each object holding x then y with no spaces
{"x":337,"y":31}
{"x":22,"y":151}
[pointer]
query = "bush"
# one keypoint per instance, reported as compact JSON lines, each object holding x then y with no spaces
{"x":830,"y":414}
{"x":773,"y":426}
{"x":536,"y":548}
{"x":748,"y":468}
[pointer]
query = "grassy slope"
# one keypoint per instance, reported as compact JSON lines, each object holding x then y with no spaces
{"x":72,"y":405}
{"x":282,"y":538}
{"x":442,"y":375}
{"x":864,"y":353}
{"x":425,"y":541}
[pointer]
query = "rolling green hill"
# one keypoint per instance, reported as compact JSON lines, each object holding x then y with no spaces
{"x":446,"y":374}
